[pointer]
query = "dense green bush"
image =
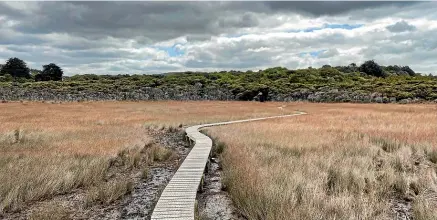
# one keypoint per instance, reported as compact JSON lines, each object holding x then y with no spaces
{"x":370,"y":67}
{"x":340,"y":84}
{"x":15,"y":67}
{"x":50,"y":72}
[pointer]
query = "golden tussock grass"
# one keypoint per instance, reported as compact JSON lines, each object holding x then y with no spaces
{"x":51,"y":211}
{"x":48,"y":149}
{"x":341,"y":161}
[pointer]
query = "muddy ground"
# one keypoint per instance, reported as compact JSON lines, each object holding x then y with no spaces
{"x":213,"y":202}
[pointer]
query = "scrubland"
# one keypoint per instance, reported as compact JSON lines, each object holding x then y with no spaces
{"x":327,"y":84}
{"x":52,"y":148}
{"x":340,"y":161}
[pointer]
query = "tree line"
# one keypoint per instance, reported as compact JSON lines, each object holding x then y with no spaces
{"x":16,"y":69}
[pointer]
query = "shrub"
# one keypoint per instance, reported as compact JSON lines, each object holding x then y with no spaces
{"x":50,"y":72}
{"x":370,"y":67}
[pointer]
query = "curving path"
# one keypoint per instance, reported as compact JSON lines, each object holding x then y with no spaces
{"x":177,"y":201}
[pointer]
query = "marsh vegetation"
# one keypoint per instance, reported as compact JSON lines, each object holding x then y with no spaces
{"x":341,"y":161}
{"x":49,"y":149}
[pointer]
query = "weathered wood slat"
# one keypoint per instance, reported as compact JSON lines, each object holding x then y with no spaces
{"x":177,"y":201}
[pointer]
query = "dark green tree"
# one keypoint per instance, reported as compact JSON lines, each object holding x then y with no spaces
{"x":408,"y":70}
{"x":370,"y":67}
{"x":50,"y":72}
{"x":15,"y":67}
{"x":352,"y":67}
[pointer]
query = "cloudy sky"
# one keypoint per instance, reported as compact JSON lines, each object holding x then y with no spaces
{"x":156,"y":37}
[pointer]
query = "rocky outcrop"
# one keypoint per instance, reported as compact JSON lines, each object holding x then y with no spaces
{"x":146,"y":93}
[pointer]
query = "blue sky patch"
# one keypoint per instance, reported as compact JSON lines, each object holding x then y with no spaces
{"x":312,"y":53}
{"x":326,"y":26}
{"x":172,"y":51}
{"x":343,"y":26}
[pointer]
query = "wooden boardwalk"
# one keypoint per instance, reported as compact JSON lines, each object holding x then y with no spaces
{"x":178,"y":200}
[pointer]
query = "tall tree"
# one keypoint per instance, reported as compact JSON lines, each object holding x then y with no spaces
{"x":15,"y":67}
{"x":370,"y":67}
{"x":50,"y":72}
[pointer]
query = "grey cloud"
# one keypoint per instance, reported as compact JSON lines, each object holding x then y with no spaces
{"x":317,"y":8}
{"x":420,"y":40}
{"x":329,"y":53}
{"x":198,"y":37}
{"x":10,"y":38}
{"x":10,"y":11}
{"x":154,"y":20}
{"x":401,"y":26}
{"x":18,"y":49}
{"x":247,"y":20}
{"x":416,"y":54}
{"x":93,"y":54}
{"x":415,"y":9}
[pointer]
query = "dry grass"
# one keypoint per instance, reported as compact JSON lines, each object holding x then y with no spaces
{"x":32,"y":177}
{"x":48,"y":149}
{"x":51,"y":211}
{"x":341,"y":161}
{"x":108,"y":192}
